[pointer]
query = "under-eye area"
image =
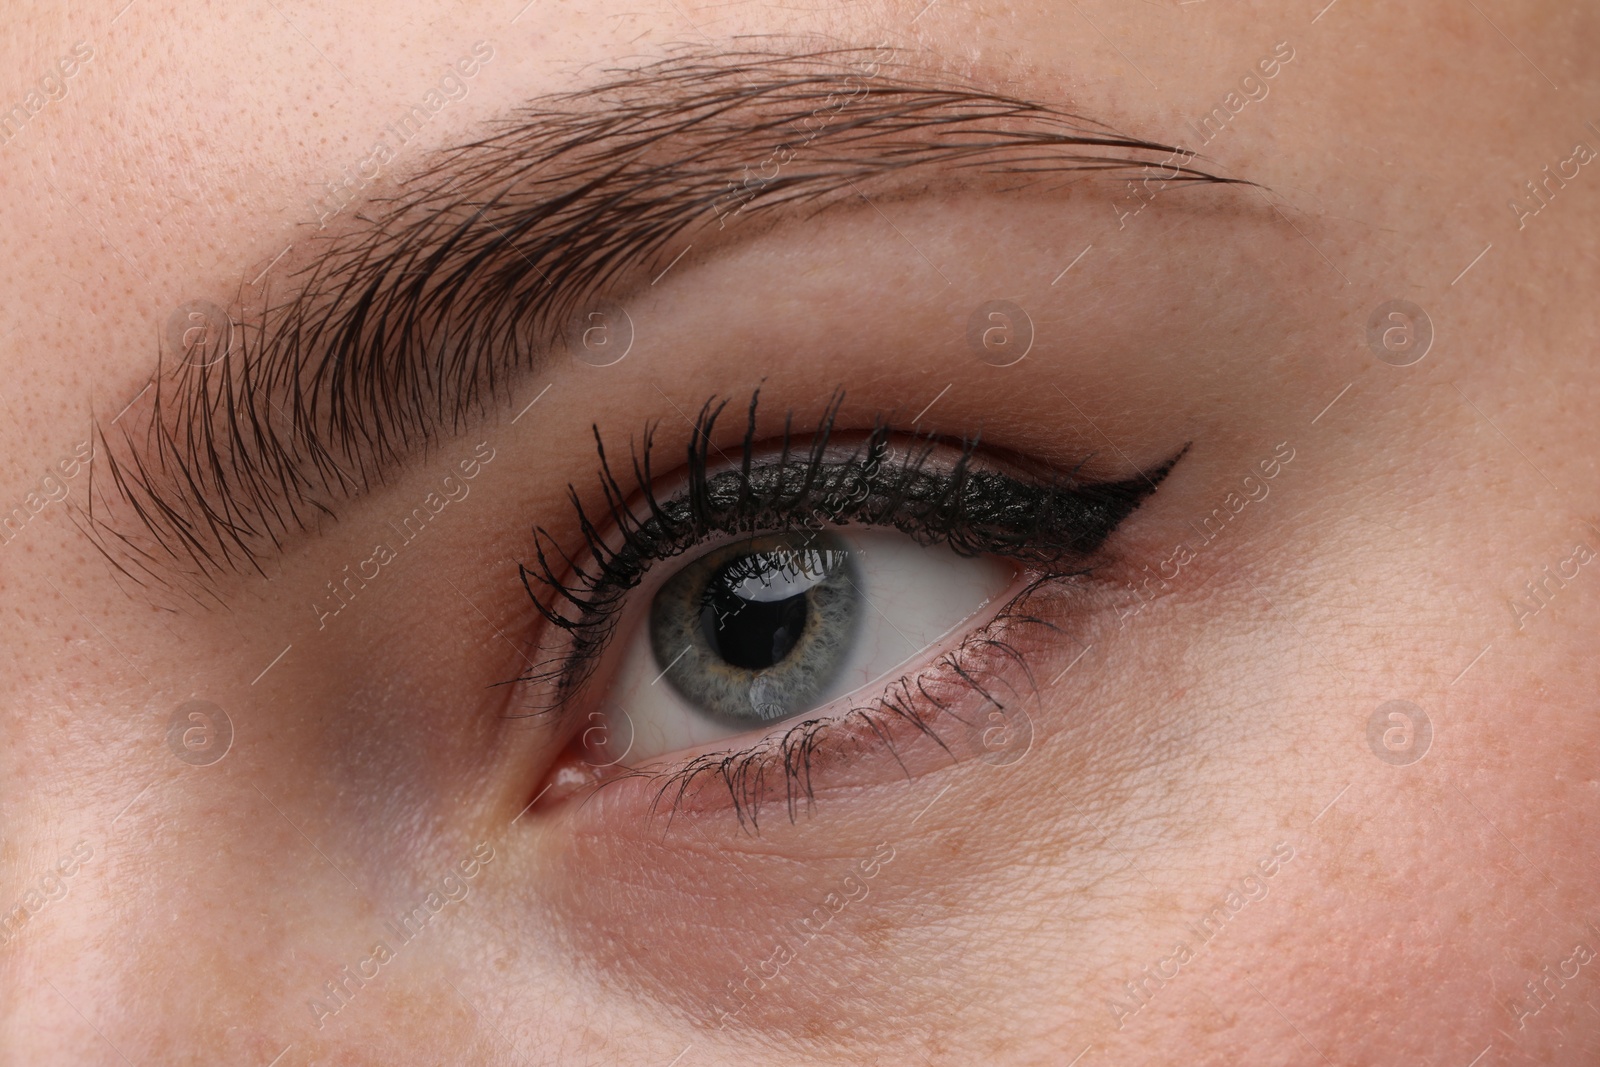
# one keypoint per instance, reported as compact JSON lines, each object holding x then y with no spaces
{"x":779,"y":615}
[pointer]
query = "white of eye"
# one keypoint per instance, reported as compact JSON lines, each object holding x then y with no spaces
{"x":913,"y":602}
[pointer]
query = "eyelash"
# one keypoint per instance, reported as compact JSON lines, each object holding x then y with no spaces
{"x":744,"y":774}
{"x":972,"y":511}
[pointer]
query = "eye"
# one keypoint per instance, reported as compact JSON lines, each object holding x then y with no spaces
{"x":766,"y":629}
{"x":800,"y":606}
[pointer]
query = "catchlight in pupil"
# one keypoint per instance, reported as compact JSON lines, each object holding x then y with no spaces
{"x":755,"y":605}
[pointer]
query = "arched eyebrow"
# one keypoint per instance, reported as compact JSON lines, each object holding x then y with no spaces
{"x":420,"y":316}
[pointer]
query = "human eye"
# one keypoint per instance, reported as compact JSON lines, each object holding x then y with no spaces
{"x":807,"y":611}
{"x":768,"y":627}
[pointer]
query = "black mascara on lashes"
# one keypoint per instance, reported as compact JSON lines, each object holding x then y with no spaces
{"x":972,"y":511}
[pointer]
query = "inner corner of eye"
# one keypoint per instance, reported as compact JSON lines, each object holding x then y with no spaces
{"x":768,"y":628}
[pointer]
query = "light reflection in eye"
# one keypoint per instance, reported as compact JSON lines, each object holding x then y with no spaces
{"x":766,"y":629}
{"x":757,"y":630}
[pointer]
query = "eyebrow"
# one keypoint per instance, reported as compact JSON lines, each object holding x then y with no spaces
{"x":422,"y":316}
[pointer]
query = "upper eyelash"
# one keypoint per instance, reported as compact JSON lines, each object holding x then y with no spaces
{"x":971,"y":511}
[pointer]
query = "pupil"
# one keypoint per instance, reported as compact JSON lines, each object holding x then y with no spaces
{"x":747,"y":619}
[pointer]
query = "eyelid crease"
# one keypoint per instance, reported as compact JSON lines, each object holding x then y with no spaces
{"x":416,"y":324}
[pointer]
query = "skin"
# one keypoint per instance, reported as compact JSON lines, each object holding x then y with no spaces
{"x":1202,"y":729}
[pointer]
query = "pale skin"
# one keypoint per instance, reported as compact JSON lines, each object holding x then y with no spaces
{"x":1420,"y":533}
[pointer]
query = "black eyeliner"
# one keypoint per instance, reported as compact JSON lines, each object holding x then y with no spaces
{"x":885,"y":482}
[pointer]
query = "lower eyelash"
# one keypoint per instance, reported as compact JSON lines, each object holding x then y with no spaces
{"x":918,"y":706}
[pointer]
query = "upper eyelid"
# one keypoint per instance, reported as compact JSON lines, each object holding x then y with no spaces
{"x":600,"y":584}
{"x":317,"y":408}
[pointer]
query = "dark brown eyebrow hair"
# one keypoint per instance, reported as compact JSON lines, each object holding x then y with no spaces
{"x":422,"y":315}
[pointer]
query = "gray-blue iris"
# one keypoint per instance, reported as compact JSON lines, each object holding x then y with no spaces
{"x":758,"y":630}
